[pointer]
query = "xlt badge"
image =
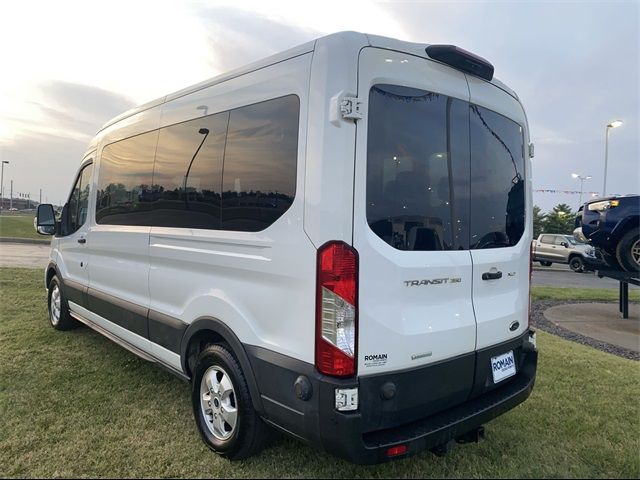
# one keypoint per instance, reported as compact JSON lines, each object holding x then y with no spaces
{"x":435,"y":281}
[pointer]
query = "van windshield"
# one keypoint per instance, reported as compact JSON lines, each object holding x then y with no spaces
{"x":442,"y":174}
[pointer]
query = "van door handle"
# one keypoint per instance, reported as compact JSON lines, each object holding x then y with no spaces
{"x":82,"y":240}
{"x":491,"y":275}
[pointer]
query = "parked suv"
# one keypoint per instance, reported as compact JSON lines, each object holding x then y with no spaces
{"x":333,"y":242}
{"x":612,"y":226}
{"x":553,"y":248}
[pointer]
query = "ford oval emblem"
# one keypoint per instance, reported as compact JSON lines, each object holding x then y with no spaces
{"x":514,"y":326}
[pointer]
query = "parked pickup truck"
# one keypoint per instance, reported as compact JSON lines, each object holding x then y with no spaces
{"x":553,"y":248}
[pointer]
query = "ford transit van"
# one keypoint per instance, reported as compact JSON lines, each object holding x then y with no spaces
{"x":333,"y":242}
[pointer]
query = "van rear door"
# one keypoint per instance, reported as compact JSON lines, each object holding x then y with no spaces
{"x":411,"y":220}
{"x":500,"y":196}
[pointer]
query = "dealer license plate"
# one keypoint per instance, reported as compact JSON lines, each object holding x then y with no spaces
{"x":503,"y":366}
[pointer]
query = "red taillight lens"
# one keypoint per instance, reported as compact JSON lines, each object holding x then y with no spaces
{"x":336,"y":309}
{"x":397,"y":451}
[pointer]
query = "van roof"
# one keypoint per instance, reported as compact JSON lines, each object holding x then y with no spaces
{"x":353,"y":38}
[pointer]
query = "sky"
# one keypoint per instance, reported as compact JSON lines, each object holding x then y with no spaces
{"x":70,"y":66}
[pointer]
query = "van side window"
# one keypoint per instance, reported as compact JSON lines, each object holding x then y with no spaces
{"x":259,"y":174}
{"x":497,"y":180}
{"x":187,"y":177}
{"x":78,"y":204}
{"x":124,"y":182}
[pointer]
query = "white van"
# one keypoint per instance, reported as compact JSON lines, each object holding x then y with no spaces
{"x":333,"y":242}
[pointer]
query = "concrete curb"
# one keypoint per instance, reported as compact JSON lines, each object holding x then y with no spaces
{"x":24,"y":240}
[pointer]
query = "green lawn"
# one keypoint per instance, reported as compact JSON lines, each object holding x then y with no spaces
{"x":74,"y":404}
{"x":19,"y":226}
{"x":591,"y":294}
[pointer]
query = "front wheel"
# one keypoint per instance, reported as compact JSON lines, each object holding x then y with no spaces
{"x":628,"y":251}
{"x":59,"y":316}
{"x":222,"y":406}
{"x":576,"y":264}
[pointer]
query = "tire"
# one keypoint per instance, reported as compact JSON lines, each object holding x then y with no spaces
{"x":222,"y":406}
{"x":546,"y":264}
{"x":576,"y":264}
{"x":628,"y":251}
{"x":58,"y":308}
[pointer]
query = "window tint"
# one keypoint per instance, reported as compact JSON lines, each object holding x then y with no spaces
{"x":497,"y":186}
{"x":187,"y":177}
{"x":259,"y":178}
{"x":417,"y":169}
{"x":78,"y":204}
{"x":546,"y":239}
{"x":124,"y":183}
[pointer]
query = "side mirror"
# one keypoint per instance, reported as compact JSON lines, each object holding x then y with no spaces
{"x":565,"y":244}
{"x":46,"y":220}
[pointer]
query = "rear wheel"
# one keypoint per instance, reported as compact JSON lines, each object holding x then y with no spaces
{"x":222,"y":406}
{"x":628,"y":251}
{"x":546,"y":264}
{"x":576,"y":264}
{"x":59,"y":316}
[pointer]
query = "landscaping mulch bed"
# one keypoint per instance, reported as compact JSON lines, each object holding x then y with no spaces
{"x":539,"y":321}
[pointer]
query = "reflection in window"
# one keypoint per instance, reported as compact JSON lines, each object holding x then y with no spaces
{"x":260,"y":160}
{"x":78,"y":204}
{"x":497,"y":187}
{"x":417,"y":169}
{"x":187,"y":177}
{"x":124,"y":183}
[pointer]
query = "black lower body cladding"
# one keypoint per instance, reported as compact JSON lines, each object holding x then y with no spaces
{"x":426,"y":407}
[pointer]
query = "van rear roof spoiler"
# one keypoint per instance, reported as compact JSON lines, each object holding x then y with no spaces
{"x":461,"y":59}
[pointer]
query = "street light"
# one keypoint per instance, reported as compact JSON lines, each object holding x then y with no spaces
{"x":614,"y":124}
{"x":582,"y":179}
{"x":2,"y":183}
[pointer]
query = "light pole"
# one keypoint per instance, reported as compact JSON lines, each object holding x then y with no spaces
{"x":582,"y":179}
{"x":2,"y":183}
{"x":614,"y":124}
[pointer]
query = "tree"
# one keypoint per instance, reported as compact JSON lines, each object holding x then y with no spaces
{"x":561,"y":220}
{"x":538,"y":221}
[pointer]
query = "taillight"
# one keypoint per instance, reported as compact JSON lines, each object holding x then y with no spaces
{"x":336,"y":310}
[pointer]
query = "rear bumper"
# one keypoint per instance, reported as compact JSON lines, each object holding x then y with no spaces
{"x":419,"y":422}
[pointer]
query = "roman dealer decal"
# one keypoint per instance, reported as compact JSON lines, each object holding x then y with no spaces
{"x":503,"y":364}
{"x":377,"y":360}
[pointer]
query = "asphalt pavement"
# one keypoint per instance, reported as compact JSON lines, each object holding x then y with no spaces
{"x":24,"y":255}
{"x":558,"y":277}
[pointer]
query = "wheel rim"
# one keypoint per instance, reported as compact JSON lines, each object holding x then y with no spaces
{"x":635,"y":252}
{"x":218,"y":403}
{"x":55,"y":305}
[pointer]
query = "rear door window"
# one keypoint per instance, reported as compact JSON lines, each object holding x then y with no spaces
{"x":417,"y":169}
{"x":497,"y":180}
{"x":442,"y":174}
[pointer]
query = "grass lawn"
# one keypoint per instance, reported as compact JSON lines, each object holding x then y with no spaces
{"x":19,"y":226}
{"x":75,"y":405}
{"x":591,"y":294}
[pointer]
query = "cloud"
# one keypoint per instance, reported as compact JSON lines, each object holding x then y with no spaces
{"x":46,"y":146}
{"x":238,"y":37}
{"x":67,"y":110}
